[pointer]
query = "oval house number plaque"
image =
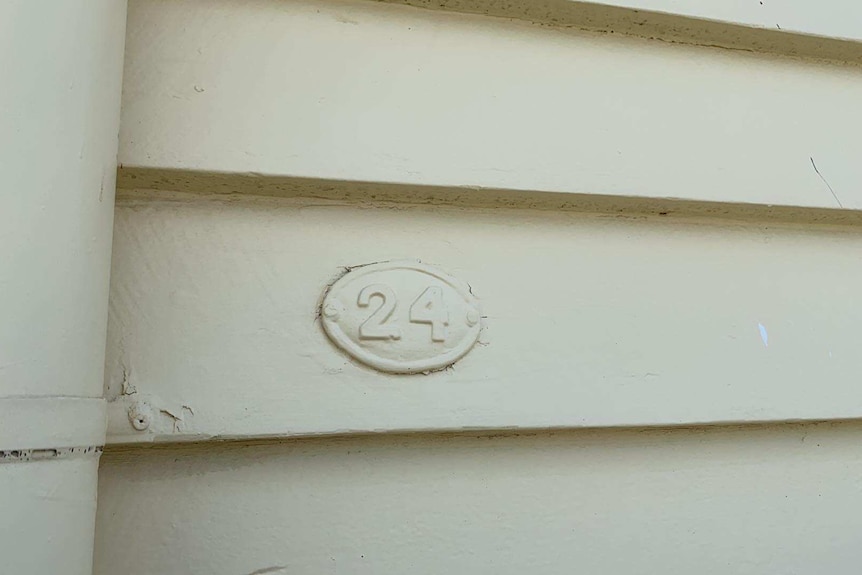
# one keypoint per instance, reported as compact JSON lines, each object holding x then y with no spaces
{"x":401,"y":317}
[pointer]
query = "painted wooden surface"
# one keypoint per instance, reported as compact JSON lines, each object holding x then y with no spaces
{"x":748,"y":501}
{"x":591,"y":320}
{"x":539,"y":165}
{"x":835,"y":18}
{"x":60,"y":81}
{"x":49,"y":511}
{"x":827,"y":30}
{"x":60,"y":72}
{"x":383,"y":93}
{"x":51,"y":423}
{"x":840,"y":19}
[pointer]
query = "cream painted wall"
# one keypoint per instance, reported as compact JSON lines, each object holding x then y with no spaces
{"x":756,"y":501}
{"x":592,"y":320}
{"x":830,"y":18}
{"x":839,"y":19}
{"x":661,"y":233}
{"x":382,"y":93}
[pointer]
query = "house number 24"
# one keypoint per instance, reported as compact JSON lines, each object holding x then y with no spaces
{"x":401,"y":316}
{"x":427,"y":309}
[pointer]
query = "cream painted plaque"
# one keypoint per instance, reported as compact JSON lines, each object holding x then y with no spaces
{"x":401,"y":316}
